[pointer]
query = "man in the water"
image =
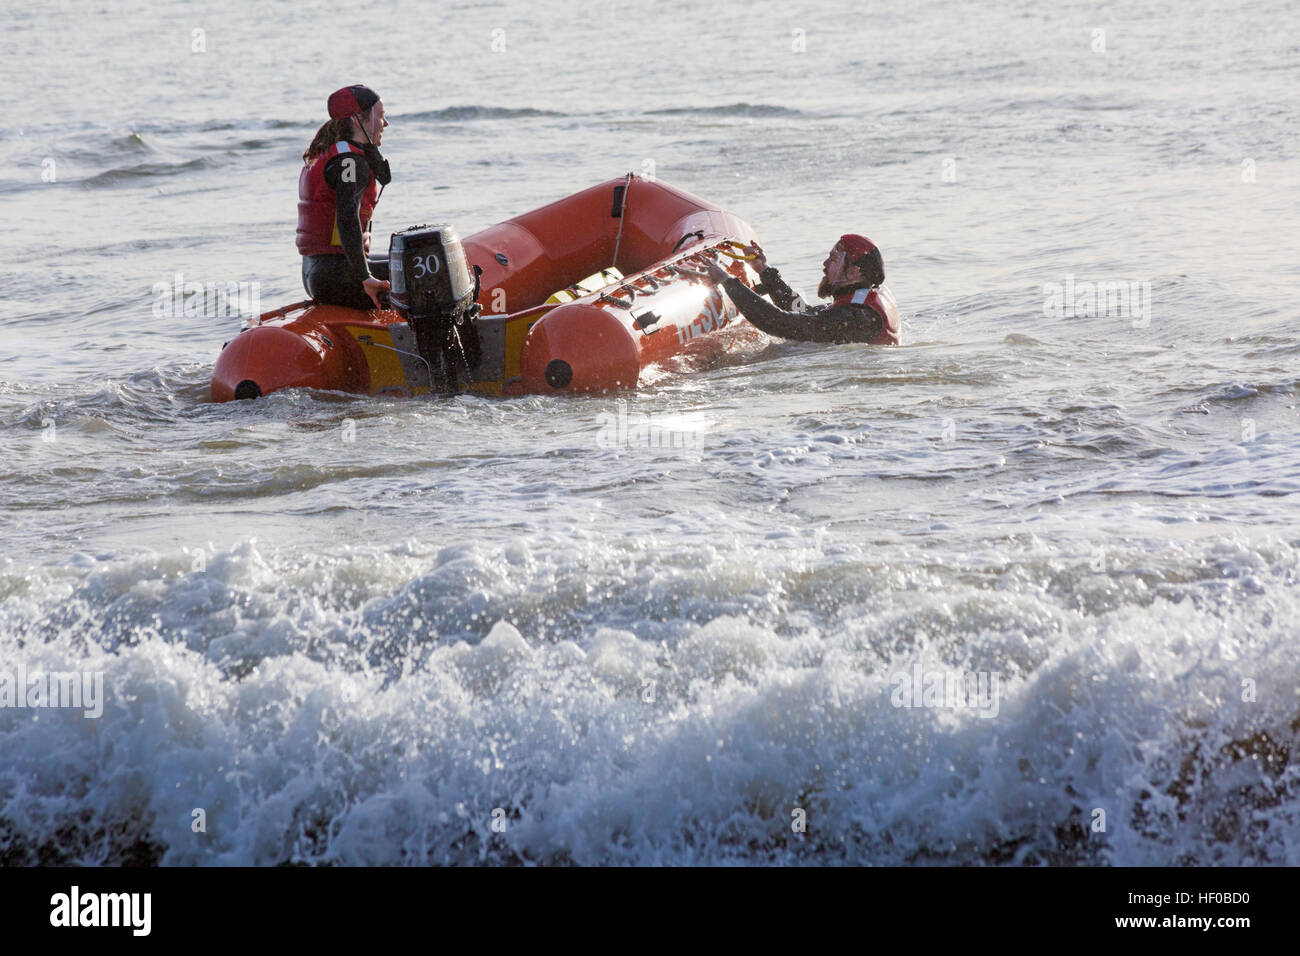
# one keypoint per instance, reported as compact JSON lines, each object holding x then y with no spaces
{"x":853,"y":276}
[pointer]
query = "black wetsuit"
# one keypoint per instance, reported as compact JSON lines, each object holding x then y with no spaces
{"x":822,"y":323}
{"x":337,"y":279}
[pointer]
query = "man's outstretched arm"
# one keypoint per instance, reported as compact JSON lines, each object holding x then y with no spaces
{"x":833,"y":323}
{"x":771,"y":283}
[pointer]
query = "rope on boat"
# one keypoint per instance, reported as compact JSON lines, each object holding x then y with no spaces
{"x":622,"y":218}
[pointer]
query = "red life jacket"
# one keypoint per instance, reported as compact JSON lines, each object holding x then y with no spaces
{"x":318,"y":233}
{"x":880,"y":301}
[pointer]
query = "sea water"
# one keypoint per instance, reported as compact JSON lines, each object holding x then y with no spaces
{"x":1022,"y":591}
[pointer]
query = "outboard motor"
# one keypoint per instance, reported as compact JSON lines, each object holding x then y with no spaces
{"x":433,"y":289}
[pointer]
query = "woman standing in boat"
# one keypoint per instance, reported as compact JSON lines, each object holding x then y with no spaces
{"x":342,"y":178}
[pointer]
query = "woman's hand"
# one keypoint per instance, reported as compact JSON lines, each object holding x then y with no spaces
{"x":373,"y":287}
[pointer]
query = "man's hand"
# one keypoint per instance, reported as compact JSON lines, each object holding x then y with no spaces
{"x":759,"y":262}
{"x":717,"y":273}
{"x":373,"y":287}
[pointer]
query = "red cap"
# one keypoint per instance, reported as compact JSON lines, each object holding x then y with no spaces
{"x":856,"y":246}
{"x":351,"y":99}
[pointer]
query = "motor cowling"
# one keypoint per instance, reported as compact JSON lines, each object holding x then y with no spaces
{"x":433,"y":288}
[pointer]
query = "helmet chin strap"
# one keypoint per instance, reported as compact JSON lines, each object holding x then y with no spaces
{"x":377,"y":162}
{"x":361,"y":123}
{"x":834,"y":289}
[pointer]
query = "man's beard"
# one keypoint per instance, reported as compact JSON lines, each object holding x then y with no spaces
{"x":824,"y":290}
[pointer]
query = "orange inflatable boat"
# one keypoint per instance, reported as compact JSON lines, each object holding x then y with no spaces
{"x":579,"y":296}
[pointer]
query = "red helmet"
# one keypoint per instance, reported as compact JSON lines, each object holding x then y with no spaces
{"x":855,"y":246}
{"x":863,"y":253}
{"x":351,"y":99}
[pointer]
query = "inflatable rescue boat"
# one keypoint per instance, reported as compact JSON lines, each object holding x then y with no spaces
{"x":581,"y":295}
